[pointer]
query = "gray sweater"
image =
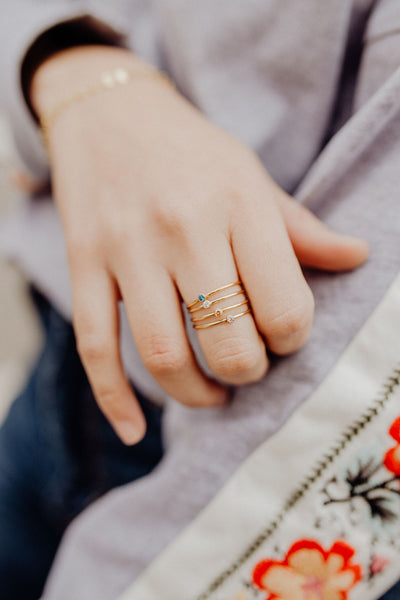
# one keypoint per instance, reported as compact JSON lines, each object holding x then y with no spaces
{"x":314,"y":88}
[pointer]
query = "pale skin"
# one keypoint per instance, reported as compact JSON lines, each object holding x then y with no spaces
{"x":158,"y":205}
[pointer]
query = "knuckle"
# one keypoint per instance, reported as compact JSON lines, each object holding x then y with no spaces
{"x":82,"y":246}
{"x":108,"y":398}
{"x":173,"y":218}
{"x":116,"y":232}
{"x":162,"y":356}
{"x":104,"y":237}
{"x":292,"y":320}
{"x":92,"y":348}
{"x":234,"y":357}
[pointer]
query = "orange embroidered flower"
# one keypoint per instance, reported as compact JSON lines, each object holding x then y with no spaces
{"x":309,"y":572}
{"x":392,"y":456}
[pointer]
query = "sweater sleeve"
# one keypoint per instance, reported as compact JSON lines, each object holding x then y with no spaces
{"x":381,"y":54}
{"x":23,"y":43}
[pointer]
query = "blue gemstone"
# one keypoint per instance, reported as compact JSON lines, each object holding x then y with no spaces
{"x":202,"y":297}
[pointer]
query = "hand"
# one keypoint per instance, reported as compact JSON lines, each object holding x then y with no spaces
{"x":159,"y":205}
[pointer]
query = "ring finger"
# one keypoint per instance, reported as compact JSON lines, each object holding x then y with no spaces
{"x":234,"y":350}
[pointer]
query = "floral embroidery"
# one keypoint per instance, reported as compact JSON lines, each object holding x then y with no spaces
{"x":377,"y":565}
{"x":392,"y":456}
{"x":309,"y":572}
{"x":360,"y":494}
{"x":378,"y":494}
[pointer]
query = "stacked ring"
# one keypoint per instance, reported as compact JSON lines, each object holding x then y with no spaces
{"x":203,"y":301}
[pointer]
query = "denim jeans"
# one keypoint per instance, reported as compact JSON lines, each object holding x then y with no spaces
{"x":393,"y":594}
{"x":57,"y":454}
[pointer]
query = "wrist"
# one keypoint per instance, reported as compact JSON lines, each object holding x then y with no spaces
{"x":68,"y":72}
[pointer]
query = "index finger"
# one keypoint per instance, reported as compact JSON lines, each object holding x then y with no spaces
{"x":96,"y":324}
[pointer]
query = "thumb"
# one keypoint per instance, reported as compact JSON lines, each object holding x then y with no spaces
{"x":318,"y":246}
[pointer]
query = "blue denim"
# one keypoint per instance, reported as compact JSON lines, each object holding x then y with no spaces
{"x":392,"y":594}
{"x":57,"y":454}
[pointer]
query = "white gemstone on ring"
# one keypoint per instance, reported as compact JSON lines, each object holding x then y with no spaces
{"x":229,"y":319}
{"x":206,"y":304}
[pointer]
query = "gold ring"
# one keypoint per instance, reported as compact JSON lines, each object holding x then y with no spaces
{"x":229,"y":319}
{"x":204,"y":301}
{"x":218,"y":311}
{"x":208,"y":303}
{"x":203,"y":297}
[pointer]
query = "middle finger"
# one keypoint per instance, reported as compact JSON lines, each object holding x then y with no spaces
{"x":156,"y":321}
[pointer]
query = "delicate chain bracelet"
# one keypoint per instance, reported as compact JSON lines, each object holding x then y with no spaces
{"x":108,"y":80}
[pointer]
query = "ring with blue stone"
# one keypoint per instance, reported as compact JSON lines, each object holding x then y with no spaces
{"x":203,"y":298}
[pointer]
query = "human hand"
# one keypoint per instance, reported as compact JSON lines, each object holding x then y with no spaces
{"x":158,"y":205}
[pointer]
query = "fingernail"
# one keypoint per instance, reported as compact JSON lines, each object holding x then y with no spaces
{"x":128,"y":432}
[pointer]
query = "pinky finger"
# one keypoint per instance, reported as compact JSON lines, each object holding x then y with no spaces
{"x":96,"y":324}
{"x":318,"y":246}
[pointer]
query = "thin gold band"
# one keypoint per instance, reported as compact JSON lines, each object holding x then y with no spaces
{"x":232,"y":317}
{"x":203,"y":297}
{"x":221,"y":309}
{"x":211,"y":302}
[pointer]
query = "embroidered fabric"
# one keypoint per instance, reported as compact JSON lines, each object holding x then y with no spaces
{"x":314,"y":513}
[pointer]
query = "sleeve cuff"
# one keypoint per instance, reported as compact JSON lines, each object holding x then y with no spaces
{"x":81,"y":31}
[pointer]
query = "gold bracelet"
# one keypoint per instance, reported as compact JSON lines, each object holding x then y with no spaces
{"x":108,"y":80}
